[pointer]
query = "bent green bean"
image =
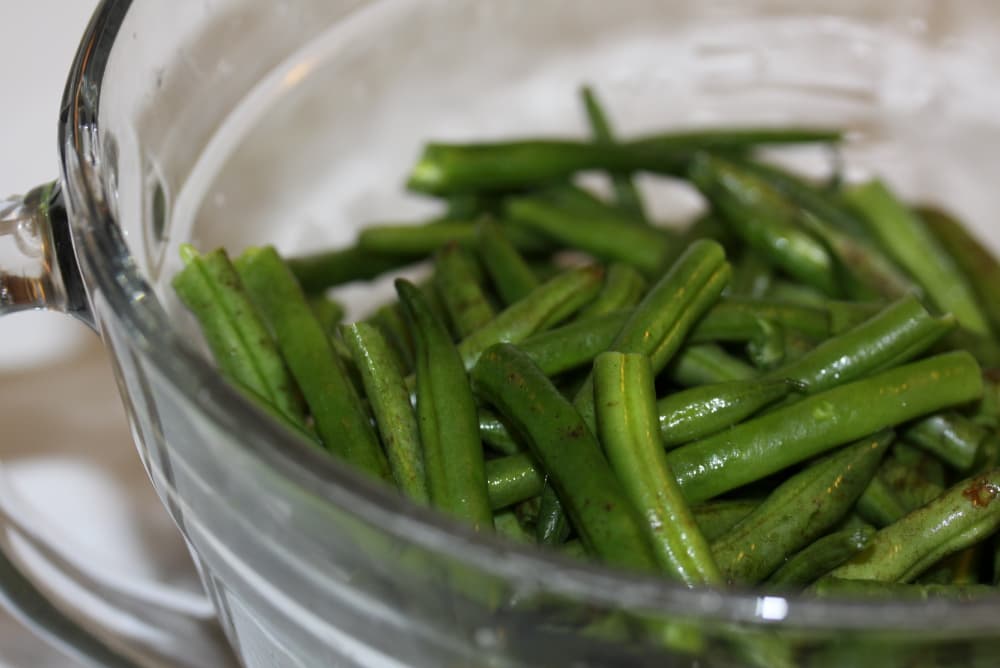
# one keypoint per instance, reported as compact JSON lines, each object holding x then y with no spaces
{"x":825,"y":554}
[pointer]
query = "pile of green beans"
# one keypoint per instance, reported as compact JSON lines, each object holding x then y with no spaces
{"x":795,"y":391}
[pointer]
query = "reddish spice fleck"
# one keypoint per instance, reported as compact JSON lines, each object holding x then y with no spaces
{"x":576,"y":431}
{"x":980,"y":492}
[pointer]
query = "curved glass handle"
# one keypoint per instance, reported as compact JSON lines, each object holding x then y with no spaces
{"x":38,"y":270}
{"x":38,"y":267}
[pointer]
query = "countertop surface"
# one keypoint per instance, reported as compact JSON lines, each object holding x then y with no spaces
{"x":66,"y":454}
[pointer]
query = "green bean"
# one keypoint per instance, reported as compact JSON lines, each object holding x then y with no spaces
{"x":552,"y":526}
{"x":626,"y":194}
{"x":456,"y":281}
{"x":389,"y":399}
{"x":738,"y":312}
{"x":821,"y":557}
{"x":627,"y":423}
{"x":210,"y":288}
{"x":509,"y":272}
{"x":423,"y":239}
{"x":952,"y":437}
{"x":960,"y":568}
{"x":512,"y":479}
{"x":704,"y":410}
{"x":911,"y":481}
{"x":804,"y":507}
{"x":623,"y":288}
{"x":979,"y":266}
{"x":752,"y":276}
{"x":319,"y":271}
{"x":901,"y":331}
{"x":658,"y":325}
{"x":509,"y":526}
{"x":796,"y":293}
{"x":879,"y":504}
{"x":575,"y":344}
{"x":495,"y":434}
{"x":833,"y":586}
{"x":547,"y":305}
{"x":764,"y":221}
{"x":341,"y":419}
{"x":603,"y":237}
{"x":769,"y":443}
{"x":391,"y":323}
{"x":716,"y":518}
{"x":960,"y":517}
{"x":564,"y":446}
{"x":907,"y":239}
{"x":328,"y":311}
{"x":847,"y":315}
{"x":447,"y":418}
{"x":707,"y":363}
{"x":446,"y":169}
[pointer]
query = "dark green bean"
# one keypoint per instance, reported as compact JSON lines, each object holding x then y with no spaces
{"x":603,"y":237}
{"x":658,"y":325}
{"x":716,"y":518}
{"x":913,"y":481}
{"x":626,"y":194}
{"x":788,"y":435}
{"x":623,"y":288}
{"x":446,"y":169}
{"x":752,"y":276}
{"x":818,"y":559}
{"x":512,"y":479}
{"x":950,"y":436}
{"x":552,"y":527}
{"x":423,"y":239}
{"x":879,"y":504}
{"x":447,"y":418}
{"x":547,"y":305}
{"x":495,"y":434}
{"x":707,"y":363}
{"x":508,"y":525}
{"x":764,"y":221}
{"x":960,"y":517}
{"x":318,"y":271}
{"x":390,"y":403}
{"x":456,"y":281}
{"x":564,"y":446}
{"x":979,"y":266}
{"x":573,"y":345}
{"x":210,"y":288}
{"x":739,"y":312}
{"x":391,"y":323}
{"x":801,"y":509}
{"x":901,"y":331}
{"x":336,"y":408}
{"x":329,"y":312}
{"x":704,"y":410}
{"x":906,"y":238}
{"x":627,"y":423}
{"x":509,"y":272}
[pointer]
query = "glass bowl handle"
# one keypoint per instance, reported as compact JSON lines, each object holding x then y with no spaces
{"x":38,"y":270}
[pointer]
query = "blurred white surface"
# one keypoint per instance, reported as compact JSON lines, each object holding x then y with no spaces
{"x":65,"y":446}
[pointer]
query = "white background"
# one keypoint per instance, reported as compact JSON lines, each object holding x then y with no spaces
{"x":64,"y":444}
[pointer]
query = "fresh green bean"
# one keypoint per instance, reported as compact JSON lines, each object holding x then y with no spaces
{"x":627,"y":423}
{"x":512,"y":479}
{"x":547,"y":305}
{"x":509,"y":272}
{"x":788,"y":435}
{"x":906,"y":238}
{"x":456,"y":281}
{"x":606,"y":238}
{"x":447,"y":418}
{"x":716,"y":518}
{"x":389,"y":399}
{"x":704,"y":410}
{"x":623,"y":288}
{"x":626,"y":194}
{"x":803,"y":508}
{"x":210,"y":288}
{"x":950,"y":436}
{"x":764,"y":221}
{"x":958,"y":518}
{"x":658,"y":325}
{"x":564,"y":446}
{"x":821,"y":557}
{"x":979,"y":266}
{"x":319,"y":271}
{"x":341,"y":419}
{"x":446,"y":169}
{"x":901,"y":331}
{"x":707,"y":363}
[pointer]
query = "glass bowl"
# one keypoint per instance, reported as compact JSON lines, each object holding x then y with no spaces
{"x":234,"y":123}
